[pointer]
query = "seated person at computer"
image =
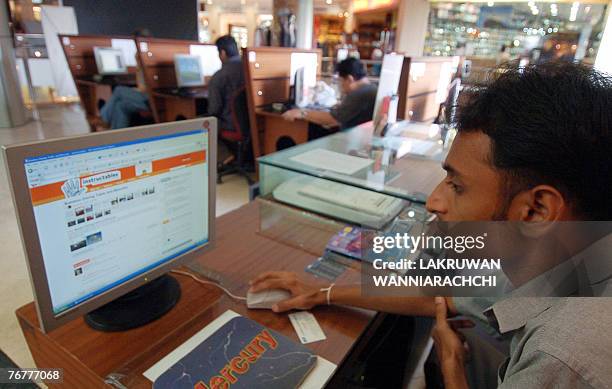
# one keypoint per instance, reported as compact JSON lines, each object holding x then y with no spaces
{"x":122,"y":105}
{"x":225,"y":82}
{"x":533,"y":147}
{"x":357,"y":105}
{"x":125,"y":101}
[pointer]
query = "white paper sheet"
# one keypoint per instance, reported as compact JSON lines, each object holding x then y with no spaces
{"x":128,"y":48}
{"x":314,"y":380}
{"x":332,"y":161}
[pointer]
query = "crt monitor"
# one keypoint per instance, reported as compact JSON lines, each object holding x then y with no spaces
{"x":188,"y":70}
{"x":106,"y":214}
{"x":110,"y":61}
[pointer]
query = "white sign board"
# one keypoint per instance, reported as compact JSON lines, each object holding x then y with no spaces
{"x":59,"y":20}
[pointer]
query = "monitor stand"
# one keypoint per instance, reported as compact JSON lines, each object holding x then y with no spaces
{"x":137,"y":308}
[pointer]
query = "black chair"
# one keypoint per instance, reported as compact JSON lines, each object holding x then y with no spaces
{"x":238,"y":139}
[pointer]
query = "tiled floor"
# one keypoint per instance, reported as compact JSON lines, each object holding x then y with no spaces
{"x":15,"y":289}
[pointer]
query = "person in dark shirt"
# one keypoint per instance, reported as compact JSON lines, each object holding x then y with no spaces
{"x":356,"y":107}
{"x":225,"y":82}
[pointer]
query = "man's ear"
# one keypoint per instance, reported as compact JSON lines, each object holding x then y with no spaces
{"x":350,"y":79}
{"x":542,"y":203}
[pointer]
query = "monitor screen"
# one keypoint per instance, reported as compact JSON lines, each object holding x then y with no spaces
{"x":106,"y":214}
{"x":110,"y":60}
{"x":310,"y":63}
{"x":188,"y":70}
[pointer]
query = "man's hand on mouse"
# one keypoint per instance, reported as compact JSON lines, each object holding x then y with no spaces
{"x":303,"y":295}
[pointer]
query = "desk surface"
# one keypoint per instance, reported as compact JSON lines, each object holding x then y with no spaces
{"x":88,"y":356}
{"x":395,"y":168}
{"x":200,"y":93}
{"x":127,"y":80}
{"x":264,"y":112}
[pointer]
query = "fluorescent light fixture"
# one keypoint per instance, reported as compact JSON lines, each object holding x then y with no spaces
{"x":574,"y":11}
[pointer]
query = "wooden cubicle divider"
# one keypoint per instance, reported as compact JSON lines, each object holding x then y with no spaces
{"x":156,"y":59}
{"x":79,"y":52}
{"x":267,"y":78}
{"x":424,"y":86}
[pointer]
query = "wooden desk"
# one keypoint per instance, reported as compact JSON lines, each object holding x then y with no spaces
{"x":267,"y":81}
{"x":156,"y":60}
{"x":172,"y":107}
{"x":88,"y":356}
{"x":275,"y":128}
{"x":79,"y":53}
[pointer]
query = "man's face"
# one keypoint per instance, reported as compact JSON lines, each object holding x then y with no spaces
{"x":471,"y":189}
{"x":222,"y":55}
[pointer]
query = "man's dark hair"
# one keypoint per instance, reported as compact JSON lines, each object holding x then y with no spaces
{"x":351,"y":67}
{"x":227,"y":44}
{"x":548,"y":124}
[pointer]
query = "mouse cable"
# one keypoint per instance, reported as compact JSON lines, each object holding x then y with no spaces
{"x":201,"y":281}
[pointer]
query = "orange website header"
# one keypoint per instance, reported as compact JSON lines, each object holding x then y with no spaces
{"x":53,"y":191}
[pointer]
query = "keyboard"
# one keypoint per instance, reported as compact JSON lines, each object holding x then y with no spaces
{"x":340,"y":201}
{"x":371,"y":203}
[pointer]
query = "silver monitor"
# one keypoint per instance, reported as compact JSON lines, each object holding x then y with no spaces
{"x":103,"y":214}
{"x":188,"y":69}
{"x":110,"y":61}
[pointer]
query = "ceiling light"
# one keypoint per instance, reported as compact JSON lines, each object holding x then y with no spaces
{"x":491,"y":3}
{"x":328,"y":2}
{"x":574,"y":11}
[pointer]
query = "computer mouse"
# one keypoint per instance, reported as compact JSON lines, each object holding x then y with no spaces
{"x":266,"y":298}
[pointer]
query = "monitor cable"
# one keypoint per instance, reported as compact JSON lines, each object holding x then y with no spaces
{"x":201,"y":281}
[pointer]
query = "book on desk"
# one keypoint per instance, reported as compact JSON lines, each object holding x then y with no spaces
{"x":242,"y":353}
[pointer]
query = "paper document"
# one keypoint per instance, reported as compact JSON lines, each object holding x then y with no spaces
{"x":316,"y":379}
{"x":332,"y":161}
{"x":128,"y":48}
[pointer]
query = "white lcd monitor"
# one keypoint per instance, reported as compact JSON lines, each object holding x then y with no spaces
{"x":388,"y":84}
{"x":309,"y":62}
{"x":188,"y":69}
{"x":301,"y":90}
{"x":110,"y":61}
{"x":106,"y":213}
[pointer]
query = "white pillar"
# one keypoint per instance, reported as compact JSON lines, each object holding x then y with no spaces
{"x":12,"y":110}
{"x":304,"y":24}
{"x":603,"y":61}
{"x":349,"y":22}
{"x":250,"y":13}
{"x":214,"y":25}
{"x":412,"y":18}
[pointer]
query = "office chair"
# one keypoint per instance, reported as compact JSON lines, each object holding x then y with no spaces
{"x":141,"y":118}
{"x":238,"y":139}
